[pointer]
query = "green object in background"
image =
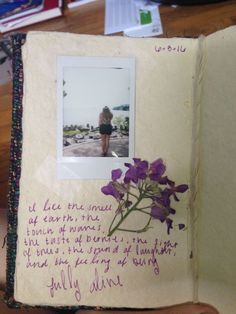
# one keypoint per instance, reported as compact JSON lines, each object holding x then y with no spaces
{"x":145,"y":17}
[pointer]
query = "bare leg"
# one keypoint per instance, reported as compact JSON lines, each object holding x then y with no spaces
{"x":107,"y":143}
{"x":103,"y":143}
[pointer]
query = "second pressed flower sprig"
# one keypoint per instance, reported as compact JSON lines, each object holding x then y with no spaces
{"x":146,"y":190}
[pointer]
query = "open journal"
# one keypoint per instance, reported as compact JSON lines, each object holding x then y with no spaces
{"x":171,"y":101}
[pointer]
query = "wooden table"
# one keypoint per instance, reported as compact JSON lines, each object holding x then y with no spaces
{"x":185,"y":21}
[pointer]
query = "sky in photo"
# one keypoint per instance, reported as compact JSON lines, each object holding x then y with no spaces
{"x":89,"y":89}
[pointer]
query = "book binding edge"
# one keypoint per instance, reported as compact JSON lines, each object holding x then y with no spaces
{"x":196,"y":163}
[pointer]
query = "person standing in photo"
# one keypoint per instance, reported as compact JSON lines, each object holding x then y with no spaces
{"x":105,"y":128}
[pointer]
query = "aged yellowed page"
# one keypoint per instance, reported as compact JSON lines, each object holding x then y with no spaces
{"x":217,"y":219}
{"x":63,"y":254}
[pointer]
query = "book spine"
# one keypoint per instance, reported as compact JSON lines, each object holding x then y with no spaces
{"x":15,"y":165}
{"x":195,"y":164}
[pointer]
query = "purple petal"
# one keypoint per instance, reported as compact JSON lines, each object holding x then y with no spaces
{"x":131,"y":175}
{"x":137,"y":171}
{"x":169,"y":223}
{"x":158,"y":213}
{"x":142,"y":169}
{"x":156,"y":162}
{"x":143,"y":164}
{"x":157,"y":169}
{"x":127,"y":164}
{"x":165,"y":197}
{"x":175,"y":197}
{"x":136,"y":160}
{"x":181,"y":188}
{"x":172,"y":211}
{"x":163,"y":180}
{"x":127,"y":180}
{"x":170,"y":183}
{"x":116,"y":174}
{"x":181,"y":226}
{"x":111,"y":190}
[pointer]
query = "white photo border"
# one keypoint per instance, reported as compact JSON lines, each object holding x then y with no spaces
{"x":92,"y":167}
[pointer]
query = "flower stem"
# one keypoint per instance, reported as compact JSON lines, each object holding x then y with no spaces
{"x":129,"y":193}
{"x":144,"y":207}
{"x":111,"y":231}
{"x":143,"y":211}
{"x":139,"y":230}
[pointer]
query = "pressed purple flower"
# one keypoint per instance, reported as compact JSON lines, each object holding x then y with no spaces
{"x":158,"y":213}
{"x":149,"y":184}
{"x":131,"y":175}
{"x":137,"y":171}
{"x":116,"y":174}
{"x":172,"y":190}
{"x":142,"y":167}
{"x":157,"y":169}
{"x":163,"y":199}
{"x":110,"y":189}
{"x":181,"y":226}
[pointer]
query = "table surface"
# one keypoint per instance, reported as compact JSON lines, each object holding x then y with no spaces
{"x":181,"y":21}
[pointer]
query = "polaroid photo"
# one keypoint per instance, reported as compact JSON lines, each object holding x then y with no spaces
{"x":95,"y":122}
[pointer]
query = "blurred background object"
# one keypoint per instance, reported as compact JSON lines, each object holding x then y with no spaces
{"x":186,"y":2}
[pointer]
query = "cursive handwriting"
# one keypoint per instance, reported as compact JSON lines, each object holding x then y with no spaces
{"x":65,"y":282}
{"x":100,"y":283}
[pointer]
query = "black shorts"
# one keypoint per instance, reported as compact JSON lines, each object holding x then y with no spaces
{"x":105,"y":129}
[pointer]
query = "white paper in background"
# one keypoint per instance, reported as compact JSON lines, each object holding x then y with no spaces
{"x":125,"y":15}
{"x":119,"y":15}
{"x":77,"y":3}
{"x":152,"y":29}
